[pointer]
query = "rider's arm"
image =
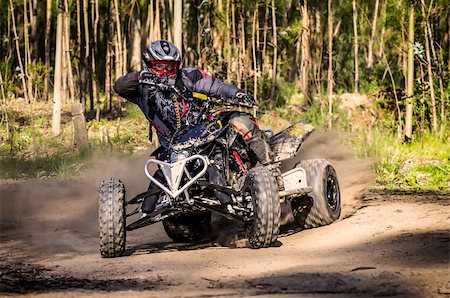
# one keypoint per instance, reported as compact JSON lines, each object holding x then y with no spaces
{"x":198,"y":81}
{"x":127,"y":86}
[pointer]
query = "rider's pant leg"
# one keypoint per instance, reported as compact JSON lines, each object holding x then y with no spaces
{"x":246,"y":126}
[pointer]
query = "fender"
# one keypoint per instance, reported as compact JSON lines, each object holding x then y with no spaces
{"x":288,"y":142}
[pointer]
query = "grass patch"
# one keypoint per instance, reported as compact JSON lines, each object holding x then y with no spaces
{"x":59,"y":165}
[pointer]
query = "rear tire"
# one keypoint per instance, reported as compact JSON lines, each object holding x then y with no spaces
{"x":261,"y":186}
{"x":188,"y":227}
{"x":322,"y":206}
{"x":111,"y":214}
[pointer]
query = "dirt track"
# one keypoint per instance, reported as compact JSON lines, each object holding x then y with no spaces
{"x":385,"y":245}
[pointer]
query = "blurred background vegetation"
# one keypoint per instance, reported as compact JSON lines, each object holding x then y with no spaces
{"x":377,"y":70}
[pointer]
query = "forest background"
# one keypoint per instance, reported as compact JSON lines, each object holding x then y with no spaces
{"x":376,"y":70}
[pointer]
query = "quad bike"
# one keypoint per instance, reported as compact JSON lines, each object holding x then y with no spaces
{"x":188,"y":195}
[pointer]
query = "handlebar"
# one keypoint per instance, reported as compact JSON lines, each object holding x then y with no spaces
{"x":169,"y":84}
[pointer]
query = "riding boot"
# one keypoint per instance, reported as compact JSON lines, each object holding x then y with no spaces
{"x":215,"y":177}
{"x":149,"y":204}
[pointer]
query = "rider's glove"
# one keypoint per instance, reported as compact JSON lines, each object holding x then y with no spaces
{"x":244,"y":100}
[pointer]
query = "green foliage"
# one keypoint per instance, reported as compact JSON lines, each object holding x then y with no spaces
{"x":423,"y":163}
{"x":283,"y":92}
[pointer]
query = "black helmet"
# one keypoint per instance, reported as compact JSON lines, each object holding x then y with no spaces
{"x":160,"y":51}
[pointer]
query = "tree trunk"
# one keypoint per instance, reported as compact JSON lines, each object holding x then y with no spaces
{"x":372,"y":36}
{"x":330,"y":66}
{"x":178,"y":24}
{"x":254,"y":49}
{"x":243,"y":56}
{"x":430,"y":72}
{"x":275,"y":49}
{"x":48,"y":24}
{"x":95,"y":97}
{"x":66,"y":51}
{"x":235,"y":48}
{"x":156,"y":34}
{"x":265,"y":58}
{"x":121,"y":64}
{"x":19,"y":56}
{"x":355,"y":45}
{"x":383,"y":28}
{"x":28,"y":79}
{"x":136,"y":42}
{"x":306,"y":56}
{"x":34,"y":29}
{"x":227,"y":17}
{"x":109,"y":53}
{"x":410,"y":85}
{"x":57,"y":104}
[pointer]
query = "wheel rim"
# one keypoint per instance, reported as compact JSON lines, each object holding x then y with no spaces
{"x":332,"y":193}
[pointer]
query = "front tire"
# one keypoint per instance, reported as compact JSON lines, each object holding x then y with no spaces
{"x":260,"y":188}
{"x":322,"y":206}
{"x":111,"y":214}
{"x":187,"y":227}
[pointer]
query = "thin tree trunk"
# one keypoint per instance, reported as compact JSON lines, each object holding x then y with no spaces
{"x":48,"y":24}
{"x":383,"y":28}
{"x":218,"y":35}
{"x":109,"y":53}
{"x":234,"y":34}
{"x":266,"y":29}
{"x":119,"y":58}
{"x":85,"y":69}
{"x":330,"y":66}
{"x":157,"y":23}
{"x":254,"y":46}
{"x":410,"y":85}
{"x":178,"y":24}
{"x":2,"y":89}
{"x":34,"y":29}
{"x":305,"y":56}
{"x":136,"y":43}
{"x":149,"y":22}
{"x":66,"y":52}
{"x":95,"y":97}
{"x":19,"y":56}
{"x":440,"y":73}
{"x":275,"y":49}
{"x":243,"y":56}
{"x":430,"y":72}
{"x":228,"y":41}
{"x":57,"y":104}
{"x":317,"y":66}
{"x":404,"y":53}
{"x":372,"y":36}
{"x":355,"y":45}
{"x":28,"y":80}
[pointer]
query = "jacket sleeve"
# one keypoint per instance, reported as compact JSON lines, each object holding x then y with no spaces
{"x":198,"y":81}
{"x":127,"y":86}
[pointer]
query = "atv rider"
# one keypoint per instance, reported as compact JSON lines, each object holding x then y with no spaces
{"x":168,"y":113}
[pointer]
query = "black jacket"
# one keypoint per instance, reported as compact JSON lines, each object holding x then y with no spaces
{"x":161,"y":107}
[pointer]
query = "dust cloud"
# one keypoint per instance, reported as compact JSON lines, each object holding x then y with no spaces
{"x":53,"y":215}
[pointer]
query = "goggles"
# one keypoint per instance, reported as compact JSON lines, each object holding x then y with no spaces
{"x":161,"y":68}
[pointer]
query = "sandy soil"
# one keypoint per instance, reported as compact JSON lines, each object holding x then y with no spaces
{"x":385,"y":244}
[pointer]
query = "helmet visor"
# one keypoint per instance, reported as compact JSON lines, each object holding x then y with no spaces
{"x":161,"y":68}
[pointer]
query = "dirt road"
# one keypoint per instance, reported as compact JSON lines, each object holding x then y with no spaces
{"x":384,"y":245}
